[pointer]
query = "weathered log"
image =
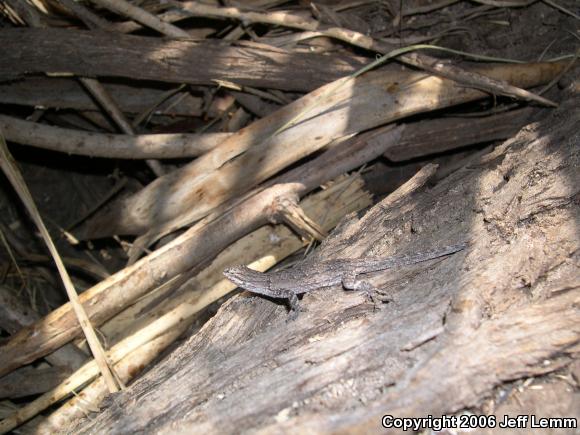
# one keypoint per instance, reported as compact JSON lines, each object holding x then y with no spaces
{"x":103,"y":54}
{"x":456,"y":328}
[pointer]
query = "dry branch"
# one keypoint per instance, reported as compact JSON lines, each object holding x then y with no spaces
{"x":443,"y":134}
{"x":120,"y":146}
{"x":88,"y":17}
{"x":102,"y":54}
{"x":353,"y":106}
{"x":422,"y":138}
{"x":142,"y":16}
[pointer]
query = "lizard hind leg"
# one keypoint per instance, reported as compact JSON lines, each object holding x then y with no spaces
{"x":352,"y":282}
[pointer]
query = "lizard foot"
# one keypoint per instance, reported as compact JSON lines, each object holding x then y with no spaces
{"x":351,"y":283}
{"x":295,"y":312}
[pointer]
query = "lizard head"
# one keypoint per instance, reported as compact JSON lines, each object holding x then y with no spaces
{"x":245,"y":277}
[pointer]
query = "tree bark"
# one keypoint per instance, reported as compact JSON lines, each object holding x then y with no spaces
{"x":103,"y":54}
{"x":453,"y":331}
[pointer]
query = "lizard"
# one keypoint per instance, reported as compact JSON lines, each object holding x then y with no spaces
{"x":307,"y":275}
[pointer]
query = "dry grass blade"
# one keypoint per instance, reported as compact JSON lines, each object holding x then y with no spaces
{"x":11,"y":170}
{"x":561,"y":8}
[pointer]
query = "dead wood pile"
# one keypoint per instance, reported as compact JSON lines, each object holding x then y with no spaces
{"x":157,"y":143}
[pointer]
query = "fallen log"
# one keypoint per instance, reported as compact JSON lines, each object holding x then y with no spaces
{"x":455,"y":330}
{"x":105,"y":54}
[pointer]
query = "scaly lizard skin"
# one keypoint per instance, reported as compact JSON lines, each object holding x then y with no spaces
{"x":308,"y":275}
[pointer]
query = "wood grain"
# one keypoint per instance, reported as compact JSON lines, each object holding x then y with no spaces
{"x":102,"y":54}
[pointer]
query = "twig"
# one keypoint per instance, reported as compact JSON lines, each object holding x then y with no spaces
{"x":248,"y":89}
{"x":127,"y":9}
{"x":146,"y":113}
{"x":561,"y":8}
{"x":108,"y":103}
{"x":88,"y":17}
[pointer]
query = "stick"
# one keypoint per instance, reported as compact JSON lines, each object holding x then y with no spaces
{"x":125,"y":8}
{"x":114,"y":146}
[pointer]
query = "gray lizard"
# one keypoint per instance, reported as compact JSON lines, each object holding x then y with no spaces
{"x":307,"y":275}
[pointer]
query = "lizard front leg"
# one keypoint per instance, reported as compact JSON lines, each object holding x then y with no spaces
{"x":292,"y":299}
{"x":293,"y":303}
